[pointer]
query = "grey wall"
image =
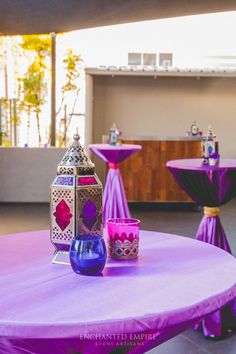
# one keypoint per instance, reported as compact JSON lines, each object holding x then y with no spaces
{"x":165,"y":106}
{"x":26,"y":173}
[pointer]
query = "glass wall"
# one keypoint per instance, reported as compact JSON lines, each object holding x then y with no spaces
{"x":25,"y":92}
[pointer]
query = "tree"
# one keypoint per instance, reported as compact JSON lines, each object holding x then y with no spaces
{"x":34,"y":89}
{"x":72,"y":67}
{"x":33,"y":84}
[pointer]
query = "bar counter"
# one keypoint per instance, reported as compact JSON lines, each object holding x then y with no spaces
{"x":146,"y":177}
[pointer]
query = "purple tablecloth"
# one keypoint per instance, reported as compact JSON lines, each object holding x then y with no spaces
{"x":136,"y":304}
{"x":209,"y":186}
{"x":114,"y":199}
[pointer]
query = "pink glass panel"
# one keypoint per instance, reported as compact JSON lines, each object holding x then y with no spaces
{"x":86,"y":181}
{"x":62,"y":214}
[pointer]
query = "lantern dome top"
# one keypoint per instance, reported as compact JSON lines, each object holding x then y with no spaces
{"x":76,"y":161}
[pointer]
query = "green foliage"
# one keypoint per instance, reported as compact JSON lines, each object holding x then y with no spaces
{"x":33,"y":85}
{"x":5,"y":103}
{"x":71,"y":62}
{"x":2,"y":134}
{"x":38,"y":44}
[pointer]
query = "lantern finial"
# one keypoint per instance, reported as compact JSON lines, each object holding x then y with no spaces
{"x":76,"y":161}
{"x":76,"y":136}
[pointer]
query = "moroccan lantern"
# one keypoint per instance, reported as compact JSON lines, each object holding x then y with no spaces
{"x":76,"y":201}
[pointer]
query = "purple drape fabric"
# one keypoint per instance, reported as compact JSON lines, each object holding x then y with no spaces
{"x":209,"y":186}
{"x":137,"y":304}
{"x":114,"y":199}
{"x":211,"y":231}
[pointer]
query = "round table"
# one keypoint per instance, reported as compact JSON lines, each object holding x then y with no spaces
{"x":114,"y":199}
{"x":210,"y":187}
{"x":137,"y":304}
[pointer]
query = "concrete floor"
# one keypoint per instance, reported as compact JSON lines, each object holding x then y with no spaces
{"x":182,"y":221}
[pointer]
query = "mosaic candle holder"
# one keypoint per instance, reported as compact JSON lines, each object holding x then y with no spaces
{"x":76,"y":201}
{"x":123,"y":238}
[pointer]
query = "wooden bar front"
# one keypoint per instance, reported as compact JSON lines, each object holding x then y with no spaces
{"x":145,"y":175}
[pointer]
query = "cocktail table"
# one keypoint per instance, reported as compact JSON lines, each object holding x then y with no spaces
{"x":210,"y":187}
{"x":137,"y":304}
{"x":114,"y":198}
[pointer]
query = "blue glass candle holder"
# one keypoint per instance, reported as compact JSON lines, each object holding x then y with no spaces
{"x":88,"y":254}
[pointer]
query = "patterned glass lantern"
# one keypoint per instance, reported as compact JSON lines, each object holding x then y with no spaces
{"x":76,"y":201}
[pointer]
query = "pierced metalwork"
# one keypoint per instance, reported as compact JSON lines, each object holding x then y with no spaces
{"x":75,"y":156}
{"x":65,"y":170}
{"x":120,"y":250}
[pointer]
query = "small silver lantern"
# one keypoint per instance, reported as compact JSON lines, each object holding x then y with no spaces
{"x":76,"y":201}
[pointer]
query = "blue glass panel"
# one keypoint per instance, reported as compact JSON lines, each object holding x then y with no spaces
{"x":64,"y":181}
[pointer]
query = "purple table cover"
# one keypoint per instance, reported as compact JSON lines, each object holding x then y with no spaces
{"x":114,"y":199}
{"x":209,"y":186}
{"x":137,"y":304}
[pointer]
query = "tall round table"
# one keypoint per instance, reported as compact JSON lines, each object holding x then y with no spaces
{"x":136,"y":305}
{"x":114,"y":198}
{"x":210,"y":187}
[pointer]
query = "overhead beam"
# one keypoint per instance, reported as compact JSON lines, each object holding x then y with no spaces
{"x":45,"y":16}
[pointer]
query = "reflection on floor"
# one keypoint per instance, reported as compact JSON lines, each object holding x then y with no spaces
{"x":27,"y":217}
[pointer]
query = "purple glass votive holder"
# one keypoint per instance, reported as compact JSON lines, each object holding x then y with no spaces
{"x":122,"y":238}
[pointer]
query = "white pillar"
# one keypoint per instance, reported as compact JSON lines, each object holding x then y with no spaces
{"x":88,"y":111}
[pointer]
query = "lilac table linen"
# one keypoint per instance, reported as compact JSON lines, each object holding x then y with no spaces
{"x":47,"y":308}
{"x":209,"y":186}
{"x":114,"y":199}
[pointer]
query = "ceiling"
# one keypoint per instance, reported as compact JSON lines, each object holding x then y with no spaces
{"x":44,"y":16}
